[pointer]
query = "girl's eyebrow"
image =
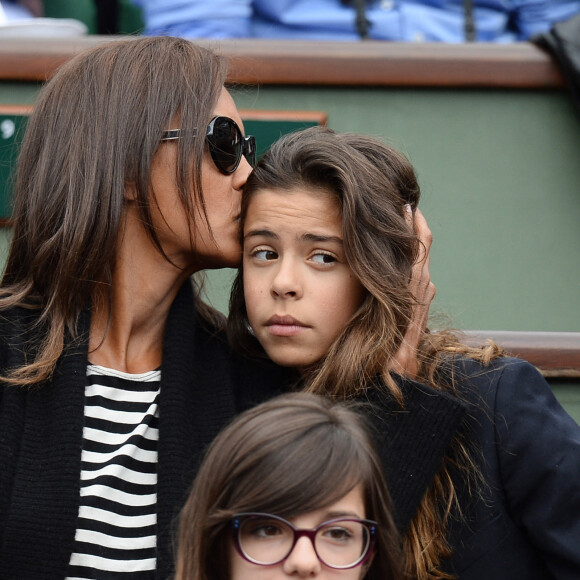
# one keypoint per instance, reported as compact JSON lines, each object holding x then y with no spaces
{"x":320,"y":238}
{"x":261,"y":233}
{"x":341,"y":514}
{"x":305,"y":237}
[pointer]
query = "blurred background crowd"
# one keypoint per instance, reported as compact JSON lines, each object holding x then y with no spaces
{"x":392,"y":20}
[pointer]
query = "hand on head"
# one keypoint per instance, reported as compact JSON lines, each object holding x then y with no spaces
{"x":406,"y":361}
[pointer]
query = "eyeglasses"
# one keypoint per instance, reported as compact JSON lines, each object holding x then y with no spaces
{"x":265,"y":540}
{"x":226,"y":143}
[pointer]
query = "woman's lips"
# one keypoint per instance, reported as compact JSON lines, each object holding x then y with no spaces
{"x":284,"y":326}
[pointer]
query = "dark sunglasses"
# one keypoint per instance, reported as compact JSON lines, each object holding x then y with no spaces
{"x":226,"y":144}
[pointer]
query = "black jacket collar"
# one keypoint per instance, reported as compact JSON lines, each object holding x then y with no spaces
{"x":412,"y":439}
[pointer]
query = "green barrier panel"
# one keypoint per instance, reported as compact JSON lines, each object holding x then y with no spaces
{"x":267,"y":131}
{"x":11,"y":130}
{"x":12,"y":127}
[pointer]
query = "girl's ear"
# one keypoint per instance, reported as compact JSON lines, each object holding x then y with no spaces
{"x":366,"y":566}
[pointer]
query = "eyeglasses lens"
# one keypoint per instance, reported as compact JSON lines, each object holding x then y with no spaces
{"x":265,"y":541}
{"x":340,"y":544}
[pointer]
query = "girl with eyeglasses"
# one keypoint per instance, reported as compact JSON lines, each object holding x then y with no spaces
{"x":291,"y":488}
{"x":482,"y":462}
{"x":114,"y":374}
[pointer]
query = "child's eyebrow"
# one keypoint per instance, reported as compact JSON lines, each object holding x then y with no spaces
{"x":305,"y":237}
{"x":261,"y":233}
{"x":321,"y":238}
{"x":341,"y":514}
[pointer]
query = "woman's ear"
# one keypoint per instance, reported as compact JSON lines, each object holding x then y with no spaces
{"x":130,"y":193}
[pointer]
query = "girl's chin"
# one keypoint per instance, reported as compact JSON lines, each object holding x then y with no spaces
{"x":301,"y":364}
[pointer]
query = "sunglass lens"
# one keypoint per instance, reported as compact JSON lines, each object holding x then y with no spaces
{"x":225,"y":144}
{"x":250,"y":150}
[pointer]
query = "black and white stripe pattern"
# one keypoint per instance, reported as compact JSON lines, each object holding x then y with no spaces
{"x":116,"y":529}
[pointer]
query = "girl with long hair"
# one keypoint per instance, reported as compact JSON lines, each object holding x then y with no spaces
{"x":296,"y":462}
{"x":483,"y":464}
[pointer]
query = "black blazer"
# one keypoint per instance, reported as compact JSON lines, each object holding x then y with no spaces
{"x":525,"y":522}
{"x":41,"y":439}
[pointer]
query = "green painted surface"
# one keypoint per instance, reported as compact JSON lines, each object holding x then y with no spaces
{"x":500,"y":177}
{"x":130,"y":20}
{"x":18,"y":93}
{"x":568,"y":393}
{"x":501,"y":190}
{"x":11,"y":131}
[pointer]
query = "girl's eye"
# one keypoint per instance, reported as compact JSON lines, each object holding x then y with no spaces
{"x":264,"y":255}
{"x":266,"y":531}
{"x":337,"y":534}
{"x":323,"y":258}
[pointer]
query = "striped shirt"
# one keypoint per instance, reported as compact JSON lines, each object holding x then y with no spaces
{"x":116,"y":527}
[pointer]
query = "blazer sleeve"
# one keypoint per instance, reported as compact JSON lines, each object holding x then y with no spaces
{"x":538,"y":445}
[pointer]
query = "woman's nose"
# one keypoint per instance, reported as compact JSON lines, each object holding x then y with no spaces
{"x":241,"y":174}
{"x":303,"y":561}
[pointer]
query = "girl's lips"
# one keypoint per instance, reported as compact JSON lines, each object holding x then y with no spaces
{"x":284,"y":326}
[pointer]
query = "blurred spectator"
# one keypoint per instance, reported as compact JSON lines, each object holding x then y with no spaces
{"x":21,"y":9}
{"x":396,"y":20}
{"x":197,"y":18}
{"x":410,"y":20}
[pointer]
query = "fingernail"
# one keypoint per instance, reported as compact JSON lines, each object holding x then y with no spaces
{"x":408,"y":208}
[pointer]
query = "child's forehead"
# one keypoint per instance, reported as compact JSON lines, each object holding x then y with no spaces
{"x":303,"y":194}
{"x":295,"y":209}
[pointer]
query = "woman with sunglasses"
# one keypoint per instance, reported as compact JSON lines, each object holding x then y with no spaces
{"x":112,"y":376}
{"x":290,"y":489}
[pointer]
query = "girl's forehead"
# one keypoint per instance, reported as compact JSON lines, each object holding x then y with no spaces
{"x":300,"y":195}
{"x":293,"y":209}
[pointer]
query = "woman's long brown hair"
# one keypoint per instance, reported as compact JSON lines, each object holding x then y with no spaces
{"x":371,"y":183}
{"x":94,"y":132}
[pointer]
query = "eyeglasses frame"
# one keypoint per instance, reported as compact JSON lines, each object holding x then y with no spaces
{"x":371,"y":526}
{"x":248,"y":149}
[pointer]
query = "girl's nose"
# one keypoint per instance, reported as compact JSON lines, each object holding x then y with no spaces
{"x":286,"y":283}
{"x":303,"y":561}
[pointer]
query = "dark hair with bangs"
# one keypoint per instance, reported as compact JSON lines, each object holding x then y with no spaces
{"x":289,"y":456}
{"x":95,"y":129}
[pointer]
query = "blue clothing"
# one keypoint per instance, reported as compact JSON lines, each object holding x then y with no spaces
{"x":410,"y":20}
{"x":396,"y":20}
{"x":14,"y":11}
{"x":197,"y":19}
